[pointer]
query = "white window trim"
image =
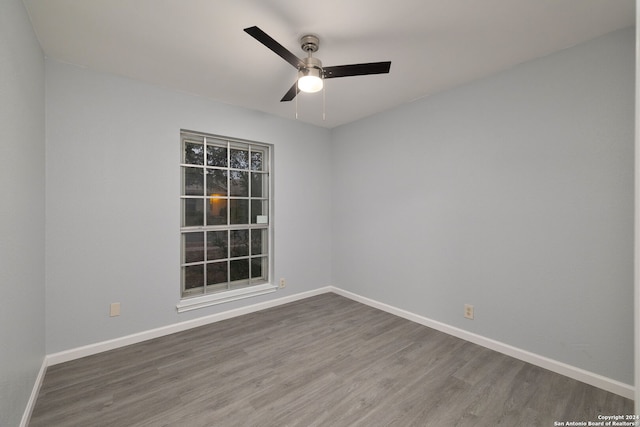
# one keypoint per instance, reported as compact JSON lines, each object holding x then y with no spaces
{"x":195,"y":303}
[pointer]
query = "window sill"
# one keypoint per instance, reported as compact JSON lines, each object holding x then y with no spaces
{"x":195,"y":303}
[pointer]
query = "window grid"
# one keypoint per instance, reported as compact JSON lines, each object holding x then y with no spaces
{"x":245,"y":200}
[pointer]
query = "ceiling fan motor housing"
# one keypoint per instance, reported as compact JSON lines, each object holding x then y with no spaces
{"x":311,"y":62}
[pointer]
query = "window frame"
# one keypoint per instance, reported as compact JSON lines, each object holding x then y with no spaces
{"x":197,"y":297}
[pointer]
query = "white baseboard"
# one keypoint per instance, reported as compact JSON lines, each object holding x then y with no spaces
{"x":31,"y":403}
{"x":579,"y":374}
{"x":88,"y":350}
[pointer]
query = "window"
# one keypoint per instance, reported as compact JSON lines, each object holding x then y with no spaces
{"x":225,"y":226}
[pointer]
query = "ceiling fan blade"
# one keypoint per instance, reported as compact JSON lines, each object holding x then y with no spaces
{"x":291,"y":93}
{"x":276,"y":47}
{"x":356,"y":69}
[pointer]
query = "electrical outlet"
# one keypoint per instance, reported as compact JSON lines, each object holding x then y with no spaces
{"x":283,"y":283}
{"x":468,"y":311}
{"x":114,"y":309}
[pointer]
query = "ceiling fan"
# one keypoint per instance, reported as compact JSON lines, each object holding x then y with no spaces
{"x":311,"y":73}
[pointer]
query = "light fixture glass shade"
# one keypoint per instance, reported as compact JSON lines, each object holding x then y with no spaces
{"x":309,"y":80}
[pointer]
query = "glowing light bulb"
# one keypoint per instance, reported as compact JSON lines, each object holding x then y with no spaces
{"x":309,"y":80}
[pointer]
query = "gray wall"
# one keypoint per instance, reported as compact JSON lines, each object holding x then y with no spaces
{"x":113,"y":215}
{"x":513,"y":193}
{"x":22,"y":216}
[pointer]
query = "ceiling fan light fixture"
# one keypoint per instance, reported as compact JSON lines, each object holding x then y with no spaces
{"x":310,"y":80}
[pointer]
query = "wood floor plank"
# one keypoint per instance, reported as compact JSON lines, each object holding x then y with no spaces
{"x":322,"y":361}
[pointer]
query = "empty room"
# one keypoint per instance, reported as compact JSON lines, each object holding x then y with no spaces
{"x":281,"y":213}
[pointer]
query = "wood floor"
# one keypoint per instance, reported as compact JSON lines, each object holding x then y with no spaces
{"x":322,"y":361}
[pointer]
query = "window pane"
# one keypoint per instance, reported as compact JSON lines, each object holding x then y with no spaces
{"x":192,"y":182}
{"x":217,"y":273}
{"x":239,"y":159}
{"x":259,"y":269}
{"x":216,"y":182}
{"x":259,"y":212}
{"x":239,"y":243}
{"x":257,"y":160}
{"x":217,"y":211}
{"x":239,"y":211}
{"x":193,"y":153}
{"x":239,"y":184}
{"x":239,"y":269}
{"x":258,"y":185}
{"x":192,"y":212}
{"x":193,"y":276}
{"x":258,"y":242}
{"x":216,"y":156}
{"x":193,"y":247}
{"x":216,"y":245}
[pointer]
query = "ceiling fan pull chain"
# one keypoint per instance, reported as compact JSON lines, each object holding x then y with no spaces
{"x":297,"y":100}
{"x":324,"y":89}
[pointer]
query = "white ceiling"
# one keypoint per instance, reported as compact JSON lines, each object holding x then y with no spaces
{"x":199,"y":46}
